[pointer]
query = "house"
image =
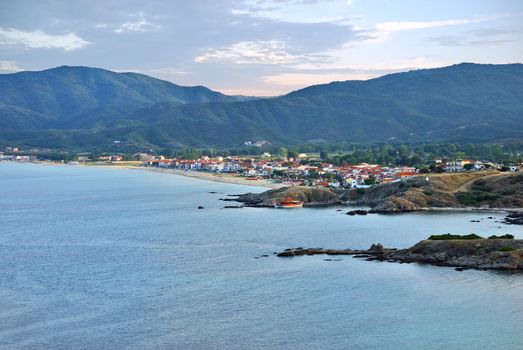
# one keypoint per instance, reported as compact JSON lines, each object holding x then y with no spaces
{"x":111,"y":158}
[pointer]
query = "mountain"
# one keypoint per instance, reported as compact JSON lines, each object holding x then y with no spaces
{"x":88,"y":107}
{"x":72,"y":96}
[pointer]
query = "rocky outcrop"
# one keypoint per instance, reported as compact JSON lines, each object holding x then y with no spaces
{"x":310,"y":196}
{"x":357,"y":212}
{"x":514,"y":218}
{"x":462,"y":190}
{"x":396,"y":205}
{"x":499,"y":254}
{"x":496,"y":254}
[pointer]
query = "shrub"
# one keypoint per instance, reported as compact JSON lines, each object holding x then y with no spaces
{"x":360,"y":191}
{"x":507,"y":236}
{"x":507,"y":192}
{"x":467,"y":198}
{"x":506,"y":248}
{"x":428,"y":191}
{"x":481,"y":188}
{"x":475,"y":198}
{"x":448,"y":236}
{"x":516,"y":179}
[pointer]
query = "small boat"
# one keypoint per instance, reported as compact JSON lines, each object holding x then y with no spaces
{"x":289,"y":203}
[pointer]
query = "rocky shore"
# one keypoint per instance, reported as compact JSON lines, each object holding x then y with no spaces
{"x":495,"y":253}
{"x":514,"y":218}
{"x":457,"y":191}
{"x":310,"y":196}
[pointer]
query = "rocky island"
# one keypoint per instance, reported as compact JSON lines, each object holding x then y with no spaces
{"x":462,"y":252}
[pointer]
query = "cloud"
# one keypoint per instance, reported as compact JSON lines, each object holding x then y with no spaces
{"x":9,"y":67}
{"x":479,"y":37}
{"x":140,"y":25}
{"x":390,"y":27}
{"x":295,"y":11}
{"x":272,"y":52}
{"x":384,"y":29}
{"x":39,"y":39}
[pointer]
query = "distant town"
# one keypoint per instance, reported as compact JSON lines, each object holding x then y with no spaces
{"x":300,"y":169}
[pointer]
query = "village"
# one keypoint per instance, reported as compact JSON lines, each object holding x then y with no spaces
{"x":301,"y":170}
{"x":307,"y":170}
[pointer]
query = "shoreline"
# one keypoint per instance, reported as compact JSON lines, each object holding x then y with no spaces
{"x":214,"y":177}
{"x":238,"y":180}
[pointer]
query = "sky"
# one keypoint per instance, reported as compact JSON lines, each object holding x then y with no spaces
{"x":258,"y":47}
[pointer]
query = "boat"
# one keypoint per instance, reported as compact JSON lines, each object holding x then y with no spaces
{"x":288,"y":202}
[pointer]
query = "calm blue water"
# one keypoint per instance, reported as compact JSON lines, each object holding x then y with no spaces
{"x":99,"y":258}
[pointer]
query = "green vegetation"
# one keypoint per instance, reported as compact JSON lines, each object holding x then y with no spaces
{"x":507,"y":236}
{"x":507,"y":192}
{"x":86,"y":108}
{"x":506,"y":248}
{"x":360,"y":191}
{"x":475,"y":198}
{"x":448,"y":236}
{"x":428,"y":191}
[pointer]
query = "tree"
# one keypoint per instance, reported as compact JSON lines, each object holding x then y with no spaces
{"x":313,"y":174}
{"x":370,"y":181}
{"x":324,"y":155}
{"x":292,"y":154}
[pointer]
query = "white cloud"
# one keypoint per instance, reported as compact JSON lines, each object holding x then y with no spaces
{"x":9,"y":67}
{"x":273,"y":52}
{"x":390,"y":27}
{"x":372,"y":69}
{"x":140,"y":25}
{"x":38,"y":39}
{"x":240,"y":12}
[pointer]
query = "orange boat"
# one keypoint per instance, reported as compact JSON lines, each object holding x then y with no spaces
{"x":289,"y":203}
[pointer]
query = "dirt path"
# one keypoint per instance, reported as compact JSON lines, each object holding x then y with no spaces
{"x":466,"y":186}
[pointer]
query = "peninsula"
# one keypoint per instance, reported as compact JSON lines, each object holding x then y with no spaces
{"x":478,"y":190}
{"x":462,"y":252}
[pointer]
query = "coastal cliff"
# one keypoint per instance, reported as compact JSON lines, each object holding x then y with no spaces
{"x":478,"y":253}
{"x":463,"y":190}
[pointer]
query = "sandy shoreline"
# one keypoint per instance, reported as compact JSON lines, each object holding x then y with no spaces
{"x":215,"y":177}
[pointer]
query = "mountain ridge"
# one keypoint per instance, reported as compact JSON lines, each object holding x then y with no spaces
{"x":465,"y":102}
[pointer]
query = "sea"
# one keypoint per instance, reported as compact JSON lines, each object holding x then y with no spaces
{"x":102,"y":258}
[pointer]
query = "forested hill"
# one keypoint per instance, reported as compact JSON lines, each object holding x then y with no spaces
{"x":461,"y":103}
{"x":64,"y":96}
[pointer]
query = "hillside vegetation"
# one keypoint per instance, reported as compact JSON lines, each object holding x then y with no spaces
{"x":85,"y":107}
{"x":460,"y":190}
{"x":491,"y":190}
